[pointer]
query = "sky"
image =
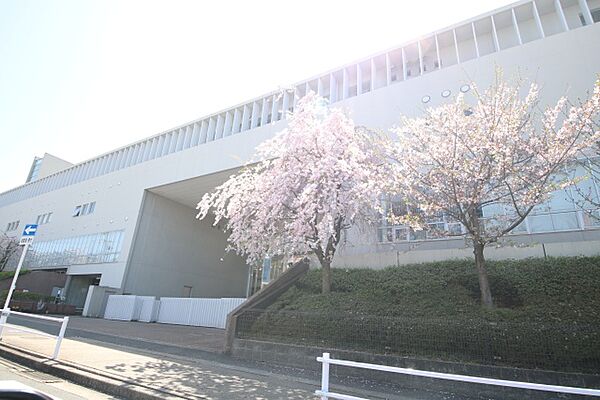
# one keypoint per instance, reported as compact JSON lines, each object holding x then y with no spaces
{"x":80,"y":77}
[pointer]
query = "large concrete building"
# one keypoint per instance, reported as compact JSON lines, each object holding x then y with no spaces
{"x":125,"y":219}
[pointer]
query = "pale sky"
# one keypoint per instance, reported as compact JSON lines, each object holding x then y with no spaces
{"x":80,"y":77}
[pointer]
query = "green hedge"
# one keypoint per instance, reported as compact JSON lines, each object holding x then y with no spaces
{"x":9,"y":274}
{"x":18,"y":295}
{"x":547,"y":314}
{"x":553,"y":289}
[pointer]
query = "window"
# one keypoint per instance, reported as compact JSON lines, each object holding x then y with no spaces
{"x":86,"y":249}
{"x":43,"y":218}
{"x":569,"y":209}
{"x":12,"y":226}
{"x":595,"y":16}
{"x":84,"y":209}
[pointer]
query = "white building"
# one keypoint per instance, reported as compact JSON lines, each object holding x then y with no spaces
{"x":125,"y":219}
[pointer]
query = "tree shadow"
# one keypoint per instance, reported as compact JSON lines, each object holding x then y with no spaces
{"x":197,"y":381}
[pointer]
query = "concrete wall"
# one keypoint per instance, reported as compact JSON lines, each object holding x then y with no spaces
{"x":51,"y":164}
{"x":172,"y":250}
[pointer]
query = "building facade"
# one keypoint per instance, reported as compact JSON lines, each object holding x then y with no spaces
{"x":125,"y":219}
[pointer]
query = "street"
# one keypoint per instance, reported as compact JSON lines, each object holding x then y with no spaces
{"x":48,"y":384}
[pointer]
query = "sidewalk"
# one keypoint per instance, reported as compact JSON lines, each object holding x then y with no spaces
{"x":133,"y":374}
{"x":155,"y":377}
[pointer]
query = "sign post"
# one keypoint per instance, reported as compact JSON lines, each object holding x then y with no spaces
{"x":26,"y":240}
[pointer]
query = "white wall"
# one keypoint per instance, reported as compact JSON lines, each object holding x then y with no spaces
{"x":172,"y":250}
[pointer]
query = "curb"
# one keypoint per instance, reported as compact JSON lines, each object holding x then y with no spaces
{"x":96,"y":380}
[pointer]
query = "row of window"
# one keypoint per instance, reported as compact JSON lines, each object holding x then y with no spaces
{"x":12,"y":226}
{"x":539,"y":223}
{"x":80,"y":210}
{"x":84,"y":209}
{"x":86,"y":249}
{"x":43,"y":218}
{"x":566,"y":210}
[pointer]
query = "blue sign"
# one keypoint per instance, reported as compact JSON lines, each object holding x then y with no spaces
{"x":30,"y":230}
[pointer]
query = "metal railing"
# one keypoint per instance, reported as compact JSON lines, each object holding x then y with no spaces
{"x":61,"y":334}
{"x":326,"y":361}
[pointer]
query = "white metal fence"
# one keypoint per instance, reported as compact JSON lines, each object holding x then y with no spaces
{"x":125,"y":307}
{"x":61,"y":334}
{"x":325,"y":393}
{"x":171,"y":310}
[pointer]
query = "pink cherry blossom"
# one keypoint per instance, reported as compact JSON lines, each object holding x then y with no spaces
{"x":315,"y":179}
{"x":496,"y":148}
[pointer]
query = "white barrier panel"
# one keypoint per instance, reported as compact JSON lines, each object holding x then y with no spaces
{"x":171,"y":310}
{"x":174,"y":310}
{"x":139,"y":304}
{"x":196,"y":312}
{"x":120,"y":307}
{"x":149,"y":310}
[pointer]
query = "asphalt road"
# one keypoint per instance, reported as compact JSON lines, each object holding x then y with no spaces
{"x":58,"y":388}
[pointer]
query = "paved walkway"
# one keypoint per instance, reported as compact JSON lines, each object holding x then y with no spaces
{"x":188,"y":379}
{"x":189,"y":338}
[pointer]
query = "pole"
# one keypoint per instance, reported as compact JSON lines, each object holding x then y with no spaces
{"x":325,"y":376}
{"x":59,"y":338}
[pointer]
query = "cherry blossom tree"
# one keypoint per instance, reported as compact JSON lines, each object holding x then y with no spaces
{"x":317,"y":178}
{"x":9,"y":247}
{"x":498,"y":152}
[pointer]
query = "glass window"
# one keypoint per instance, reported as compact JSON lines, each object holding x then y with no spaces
{"x":84,"y":249}
{"x":401,"y":234}
{"x":540,"y":223}
{"x":565,"y":221}
{"x":417,"y":234}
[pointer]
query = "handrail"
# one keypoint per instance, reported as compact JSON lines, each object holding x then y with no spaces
{"x":61,"y":334}
{"x":327,"y":361}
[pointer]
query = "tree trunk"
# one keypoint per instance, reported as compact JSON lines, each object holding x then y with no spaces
{"x":484,"y":284}
{"x":326,"y":275}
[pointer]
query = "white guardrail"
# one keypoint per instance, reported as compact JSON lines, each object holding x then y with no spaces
{"x":61,"y":334}
{"x":327,"y":361}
